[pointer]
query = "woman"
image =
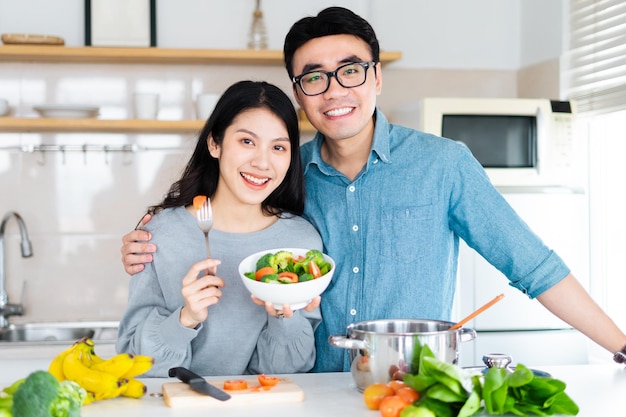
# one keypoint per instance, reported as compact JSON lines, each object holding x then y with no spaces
{"x":247,"y":161}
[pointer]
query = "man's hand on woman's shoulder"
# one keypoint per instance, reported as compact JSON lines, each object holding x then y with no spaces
{"x":136,"y":251}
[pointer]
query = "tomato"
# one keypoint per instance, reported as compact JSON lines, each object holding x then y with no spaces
{"x":392,"y":405}
{"x":314,"y":270}
{"x":290,"y":275}
{"x":198,"y":201}
{"x":235,"y":385}
{"x":375,"y":393}
{"x":408,"y":394}
{"x":268,"y":381}
{"x":266,"y":270}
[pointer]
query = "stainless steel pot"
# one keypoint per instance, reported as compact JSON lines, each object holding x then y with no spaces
{"x":382,"y":350}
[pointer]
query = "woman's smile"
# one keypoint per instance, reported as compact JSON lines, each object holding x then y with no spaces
{"x":254,"y":180}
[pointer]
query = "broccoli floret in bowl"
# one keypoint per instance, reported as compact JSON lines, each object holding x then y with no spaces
{"x":298,"y":288}
{"x":269,"y":259}
{"x":303,"y":265}
{"x":281,"y":260}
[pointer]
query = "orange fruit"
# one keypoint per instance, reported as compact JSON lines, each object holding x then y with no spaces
{"x":374,"y":394}
{"x":198,"y":201}
{"x":392,"y":406}
{"x":396,"y":385}
{"x":408,"y":394}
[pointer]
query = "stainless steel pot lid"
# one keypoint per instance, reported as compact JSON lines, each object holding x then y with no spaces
{"x":500,"y":360}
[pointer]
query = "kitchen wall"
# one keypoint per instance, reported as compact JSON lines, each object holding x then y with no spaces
{"x":77,"y":205}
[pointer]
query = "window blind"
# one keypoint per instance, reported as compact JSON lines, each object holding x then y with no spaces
{"x":593,"y":70}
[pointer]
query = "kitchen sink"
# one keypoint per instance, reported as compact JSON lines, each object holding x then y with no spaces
{"x":59,"y":332}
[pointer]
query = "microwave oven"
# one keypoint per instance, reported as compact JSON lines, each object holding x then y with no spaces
{"x":520,"y":142}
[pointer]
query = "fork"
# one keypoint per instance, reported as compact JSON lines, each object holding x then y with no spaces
{"x":204,"y":217}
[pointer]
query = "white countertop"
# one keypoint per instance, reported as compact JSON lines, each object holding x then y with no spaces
{"x":597,"y":389}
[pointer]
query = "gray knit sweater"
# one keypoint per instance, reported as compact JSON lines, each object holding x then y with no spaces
{"x":238,"y":337}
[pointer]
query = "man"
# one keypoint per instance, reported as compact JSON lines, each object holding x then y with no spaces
{"x":391,"y":203}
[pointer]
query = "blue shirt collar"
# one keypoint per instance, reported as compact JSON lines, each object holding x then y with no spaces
{"x":380,"y":146}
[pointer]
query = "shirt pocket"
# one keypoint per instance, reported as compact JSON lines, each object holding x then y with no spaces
{"x":407,"y":232}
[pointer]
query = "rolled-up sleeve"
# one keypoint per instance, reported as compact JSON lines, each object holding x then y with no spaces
{"x":492,"y":227}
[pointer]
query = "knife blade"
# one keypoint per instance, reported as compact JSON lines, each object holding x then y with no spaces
{"x":197,"y":383}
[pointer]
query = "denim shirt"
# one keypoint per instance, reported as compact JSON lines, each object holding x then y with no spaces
{"x":394,"y":232}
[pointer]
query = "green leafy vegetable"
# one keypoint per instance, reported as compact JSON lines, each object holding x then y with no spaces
{"x":522,"y":393}
{"x":415,"y":411}
{"x":443,"y":389}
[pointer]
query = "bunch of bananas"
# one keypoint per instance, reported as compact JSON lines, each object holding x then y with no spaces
{"x":101,"y":378}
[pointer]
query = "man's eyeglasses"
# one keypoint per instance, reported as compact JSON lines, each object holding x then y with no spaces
{"x":349,"y":75}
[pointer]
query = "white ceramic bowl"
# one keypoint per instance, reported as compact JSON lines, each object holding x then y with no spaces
{"x":297,"y":295}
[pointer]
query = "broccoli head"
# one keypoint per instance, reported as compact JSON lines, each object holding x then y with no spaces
{"x":266,"y":260}
{"x":281,"y":260}
{"x":278,"y":261}
{"x":41,"y":395}
{"x":315,"y":255}
{"x":302,"y":266}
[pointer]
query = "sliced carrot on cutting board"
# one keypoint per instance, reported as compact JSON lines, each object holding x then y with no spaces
{"x":235,"y":384}
{"x":198,"y":201}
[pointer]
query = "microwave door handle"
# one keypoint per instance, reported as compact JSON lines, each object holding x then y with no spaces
{"x":540,"y":189}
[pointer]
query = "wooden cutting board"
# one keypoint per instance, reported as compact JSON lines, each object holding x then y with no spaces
{"x":179,"y":394}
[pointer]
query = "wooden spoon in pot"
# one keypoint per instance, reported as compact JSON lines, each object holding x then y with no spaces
{"x":477,"y":312}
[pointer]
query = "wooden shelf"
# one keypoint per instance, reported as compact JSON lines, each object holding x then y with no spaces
{"x":100,"y":55}
{"x":54,"y":125}
{"x":95,"y":54}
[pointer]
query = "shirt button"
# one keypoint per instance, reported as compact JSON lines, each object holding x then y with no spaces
{"x":351,"y":188}
{"x":355,"y":269}
{"x":353,"y":312}
{"x":355,"y":228}
{"x":376,"y":160}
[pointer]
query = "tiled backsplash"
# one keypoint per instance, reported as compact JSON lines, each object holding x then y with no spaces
{"x":76,"y":207}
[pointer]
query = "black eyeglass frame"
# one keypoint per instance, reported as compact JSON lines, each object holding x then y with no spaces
{"x":366,"y":65}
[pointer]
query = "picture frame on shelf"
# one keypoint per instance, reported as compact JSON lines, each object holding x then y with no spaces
{"x":121,"y":23}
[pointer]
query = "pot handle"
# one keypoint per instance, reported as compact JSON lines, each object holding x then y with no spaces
{"x":467,"y":334}
{"x":346,"y":342}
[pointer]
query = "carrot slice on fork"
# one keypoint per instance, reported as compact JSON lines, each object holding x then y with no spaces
{"x":198,"y":201}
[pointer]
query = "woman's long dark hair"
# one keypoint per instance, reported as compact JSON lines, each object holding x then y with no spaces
{"x":201,"y":174}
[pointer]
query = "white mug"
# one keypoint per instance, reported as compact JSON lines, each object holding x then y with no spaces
{"x":205,"y":103}
{"x":4,"y":107}
{"x":145,"y":105}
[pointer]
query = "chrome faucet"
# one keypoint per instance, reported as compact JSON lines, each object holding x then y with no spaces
{"x":6,"y":309}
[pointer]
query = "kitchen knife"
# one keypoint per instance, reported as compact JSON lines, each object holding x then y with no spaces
{"x":197,"y":383}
